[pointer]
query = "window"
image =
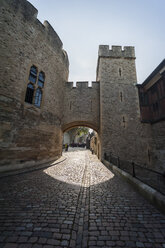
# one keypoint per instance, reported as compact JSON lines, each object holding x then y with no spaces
{"x":155,"y":106}
{"x":124,"y":121}
{"x":120,"y":72}
{"x":144,"y":99}
{"x":34,"y":91}
{"x":121,"y":96}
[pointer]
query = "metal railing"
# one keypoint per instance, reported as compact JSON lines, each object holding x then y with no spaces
{"x":148,"y":176}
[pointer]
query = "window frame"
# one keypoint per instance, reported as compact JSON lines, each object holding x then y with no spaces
{"x":37,"y":84}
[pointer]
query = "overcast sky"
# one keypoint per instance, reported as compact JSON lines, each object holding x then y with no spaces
{"x":83,"y":25}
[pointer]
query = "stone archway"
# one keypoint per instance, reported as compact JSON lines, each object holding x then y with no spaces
{"x":91,"y":125}
{"x":71,"y":125}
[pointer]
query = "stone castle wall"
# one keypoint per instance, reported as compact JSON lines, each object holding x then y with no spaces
{"x":121,"y":131}
{"x":81,"y":105}
{"x":29,"y":134}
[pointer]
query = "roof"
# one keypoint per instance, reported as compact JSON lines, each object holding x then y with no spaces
{"x":158,"y":68}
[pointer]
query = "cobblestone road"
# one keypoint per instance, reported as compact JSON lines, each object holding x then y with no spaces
{"x":76,"y":203}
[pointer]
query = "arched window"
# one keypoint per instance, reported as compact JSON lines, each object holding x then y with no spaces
{"x":38,"y":97}
{"x":33,"y":87}
{"x":29,"y":93}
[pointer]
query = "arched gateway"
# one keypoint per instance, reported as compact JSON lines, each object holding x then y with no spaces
{"x":81,"y":105}
{"x":38,"y":104}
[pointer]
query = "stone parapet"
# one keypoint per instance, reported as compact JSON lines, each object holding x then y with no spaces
{"x":83,"y":84}
{"x":29,"y":14}
{"x":116,"y":51}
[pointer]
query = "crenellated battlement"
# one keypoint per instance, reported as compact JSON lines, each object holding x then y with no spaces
{"x":116,"y":51}
{"x":52,"y":36}
{"x":29,"y":14}
{"x":28,"y":11}
{"x":82,"y":84}
{"x":81,"y":103}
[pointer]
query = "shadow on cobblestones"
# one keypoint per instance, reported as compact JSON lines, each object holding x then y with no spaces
{"x":76,"y":204}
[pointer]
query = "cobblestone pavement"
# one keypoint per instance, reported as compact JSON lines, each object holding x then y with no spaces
{"x":76,"y":203}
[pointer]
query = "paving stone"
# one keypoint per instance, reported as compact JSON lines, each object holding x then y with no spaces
{"x":64,"y":243}
{"x":2,"y":238}
{"x":110,"y":243}
{"x":33,"y":240}
{"x":27,"y":233}
{"x":11,"y":245}
{"x":37,"y":229}
{"x":37,"y":246}
{"x":48,"y":246}
{"x":92,"y":242}
{"x":53,"y":242}
{"x":72,"y":243}
{"x":120,"y":243}
{"x":42,"y":240}
{"x":57,"y":235}
{"x":66,"y":236}
{"x":22,"y":239}
{"x":100,"y":243}
{"x":139,"y":244}
{"x":12,"y":239}
{"x":25,"y":246}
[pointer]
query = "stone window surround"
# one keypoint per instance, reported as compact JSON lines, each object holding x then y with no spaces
{"x":36,"y":86}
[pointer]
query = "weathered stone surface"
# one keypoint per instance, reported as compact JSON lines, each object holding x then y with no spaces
{"x":121,"y":131}
{"x":29,"y":134}
{"x":81,"y":105}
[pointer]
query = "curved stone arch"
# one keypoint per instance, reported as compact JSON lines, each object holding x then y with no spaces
{"x":71,"y":125}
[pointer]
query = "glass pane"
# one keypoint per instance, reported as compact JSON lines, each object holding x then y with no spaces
{"x":33,"y":70}
{"x":32,"y":78}
{"x":33,"y":74}
{"x":41,"y":79}
{"x":38,"y":98}
{"x":30,"y":86}
{"x":29,"y":94}
{"x":41,"y":76}
{"x":41,"y":84}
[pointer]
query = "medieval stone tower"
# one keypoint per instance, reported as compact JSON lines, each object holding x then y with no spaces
{"x":121,"y":132}
{"x":34,"y":68}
